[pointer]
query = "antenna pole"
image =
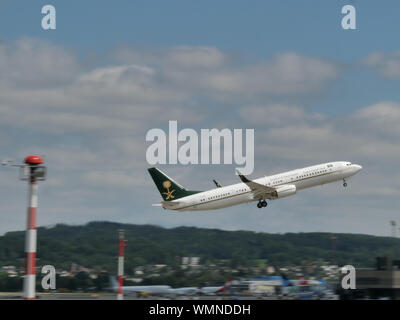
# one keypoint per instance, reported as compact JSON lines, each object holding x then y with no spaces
{"x":121,"y":253}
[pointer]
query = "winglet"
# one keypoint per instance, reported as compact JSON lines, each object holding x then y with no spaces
{"x":242,"y":177}
{"x":217,"y":184}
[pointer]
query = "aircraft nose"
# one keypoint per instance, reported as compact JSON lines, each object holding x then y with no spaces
{"x":357,"y":167}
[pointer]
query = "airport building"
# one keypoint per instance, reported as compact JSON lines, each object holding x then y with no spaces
{"x":383,"y":282}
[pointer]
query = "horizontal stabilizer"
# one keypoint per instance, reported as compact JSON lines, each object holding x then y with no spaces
{"x":170,"y":205}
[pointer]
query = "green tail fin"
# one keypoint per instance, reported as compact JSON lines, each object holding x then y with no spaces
{"x":169,"y":189}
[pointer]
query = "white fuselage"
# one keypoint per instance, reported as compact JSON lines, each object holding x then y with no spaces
{"x":147,"y":289}
{"x":165,"y":290}
{"x":241,"y":193}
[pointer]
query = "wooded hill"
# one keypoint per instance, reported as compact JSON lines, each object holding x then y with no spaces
{"x":95,"y":244}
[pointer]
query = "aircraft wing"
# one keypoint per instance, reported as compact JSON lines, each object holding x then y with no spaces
{"x":259,"y":191}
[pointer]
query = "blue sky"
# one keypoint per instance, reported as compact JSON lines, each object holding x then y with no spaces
{"x":85,"y":94}
{"x":258,"y":29}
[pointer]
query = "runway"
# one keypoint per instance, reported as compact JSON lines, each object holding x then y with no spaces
{"x":113,"y":296}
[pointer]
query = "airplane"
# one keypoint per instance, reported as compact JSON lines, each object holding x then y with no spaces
{"x":166,"y":290}
{"x":185,"y":291}
{"x":215,"y":290}
{"x":277,"y":186}
{"x":155,"y":289}
{"x":201,"y":290}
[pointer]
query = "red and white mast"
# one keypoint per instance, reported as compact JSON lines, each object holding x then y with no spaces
{"x":34,"y":171}
{"x":122,"y":245}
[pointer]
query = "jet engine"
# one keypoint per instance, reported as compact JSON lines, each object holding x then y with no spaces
{"x":284,"y":191}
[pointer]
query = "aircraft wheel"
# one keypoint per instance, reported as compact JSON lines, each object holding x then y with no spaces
{"x":344,"y":183}
{"x":264,"y":203}
{"x":259,"y":205}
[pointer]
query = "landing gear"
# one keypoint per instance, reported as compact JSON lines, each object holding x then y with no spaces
{"x":262,"y":203}
{"x":344,"y":183}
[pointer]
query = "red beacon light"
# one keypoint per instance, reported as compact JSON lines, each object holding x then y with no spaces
{"x":33,"y":160}
{"x":33,"y":169}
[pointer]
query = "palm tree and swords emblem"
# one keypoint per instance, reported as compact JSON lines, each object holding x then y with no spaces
{"x":167,"y":185}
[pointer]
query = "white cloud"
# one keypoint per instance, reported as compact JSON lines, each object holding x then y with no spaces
{"x":382,"y":117}
{"x":46,"y":88}
{"x":218,"y":74}
{"x":387,"y":65}
{"x":91,"y":125}
{"x":35,"y":63}
{"x":272,"y":114}
{"x":290,"y":73}
{"x":117,"y":179}
{"x":196,"y":57}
